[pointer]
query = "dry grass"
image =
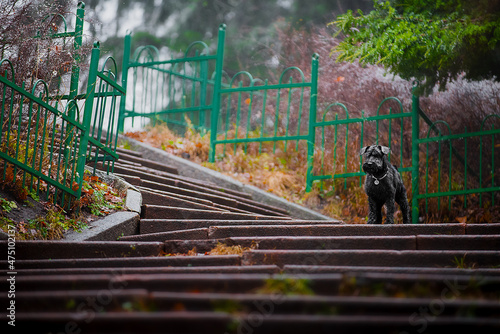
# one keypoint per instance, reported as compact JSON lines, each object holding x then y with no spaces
{"x":219,"y":249}
{"x":223,"y":249}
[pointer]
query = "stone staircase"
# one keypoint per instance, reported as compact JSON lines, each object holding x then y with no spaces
{"x":289,"y":275}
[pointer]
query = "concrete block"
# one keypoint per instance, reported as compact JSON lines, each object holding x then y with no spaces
{"x":133,"y":201}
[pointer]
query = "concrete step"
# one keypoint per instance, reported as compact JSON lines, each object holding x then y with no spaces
{"x":37,"y":249}
{"x":168,"y":225}
{"x":295,"y":243}
{"x":194,"y":199}
{"x":126,"y":156}
{"x":158,"y":197}
{"x":219,"y":198}
{"x":120,"y":300}
{"x":179,"y":181}
{"x":272,"y":269}
{"x":154,"y":198}
{"x":129,"y":152}
{"x":483,"y":228}
{"x":382,"y":258}
{"x":167,"y":212}
{"x":322,"y":229}
{"x":159,"y":261}
{"x":219,"y":322}
{"x":133,"y":180}
{"x":360,"y":284}
{"x":298,"y":270}
{"x":71,"y":300}
{"x":319,"y":304}
{"x":196,"y":233}
{"x":418,"y":242}
{"x":153,"y":282}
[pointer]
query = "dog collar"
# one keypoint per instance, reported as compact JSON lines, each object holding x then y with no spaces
{"x":377,"y":181}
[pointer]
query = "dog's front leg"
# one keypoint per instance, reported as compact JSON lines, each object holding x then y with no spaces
{"x":405,"y":208}
{"x":375,"y":214}
{"x":390,"y":207}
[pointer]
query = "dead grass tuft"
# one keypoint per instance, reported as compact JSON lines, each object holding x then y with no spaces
{"x":223,"y":249}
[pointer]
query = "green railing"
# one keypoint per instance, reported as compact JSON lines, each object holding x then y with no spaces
{"x":247,"y":112}
{"x":45,"y":140}
{"x":463,"y":164}
{"x":170,"y":90}
{"x":40,"y":145}
{"x":255,"y":111}
{"x":346,"y":136}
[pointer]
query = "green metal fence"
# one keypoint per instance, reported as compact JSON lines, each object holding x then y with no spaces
{"x":463,"y":165}
{"x":342,"y":136}
{"x":40,"y":144}
{"x":247,"y":112}
{"x":47,"y":140}
{"x":255,"y":111}
{"x":170,"y":90}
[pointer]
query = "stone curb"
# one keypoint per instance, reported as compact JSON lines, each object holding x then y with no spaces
{"x":193,"y":170}
{"x":133,"y":198}
{"x":117,"y":224}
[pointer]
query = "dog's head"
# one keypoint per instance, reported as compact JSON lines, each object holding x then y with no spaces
{"x":375,"y":159}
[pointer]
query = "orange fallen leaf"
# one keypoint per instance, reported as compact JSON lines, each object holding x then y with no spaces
{"x":461,"y":220}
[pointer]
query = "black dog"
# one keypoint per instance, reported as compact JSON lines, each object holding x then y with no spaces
{"x":383,"y":185}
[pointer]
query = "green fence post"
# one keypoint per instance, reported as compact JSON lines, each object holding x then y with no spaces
{"x":125,"y":64}
{"x":75,"y":73}
{"x":203,"y":94}
{"x":75,"y":70}
{"x":214,"y":117}
{"x":415,"y":106}
{"x":87,"y":115}
{"x":311,"y":140}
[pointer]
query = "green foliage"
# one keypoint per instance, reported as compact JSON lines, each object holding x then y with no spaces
{"x":7,"y":206}
{"x":103,"y":202}
{"x":287,"y":286}
{"x":431,"y":41}
{"x":50,"y":226}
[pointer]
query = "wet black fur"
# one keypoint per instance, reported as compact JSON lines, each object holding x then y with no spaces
{"x":390,"y":189}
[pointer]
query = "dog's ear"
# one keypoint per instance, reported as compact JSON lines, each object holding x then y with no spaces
{"x":385,"y":149}
{"x":363,"y":150}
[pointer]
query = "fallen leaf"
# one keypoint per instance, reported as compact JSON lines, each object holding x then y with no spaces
{"x":461,"y":220}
